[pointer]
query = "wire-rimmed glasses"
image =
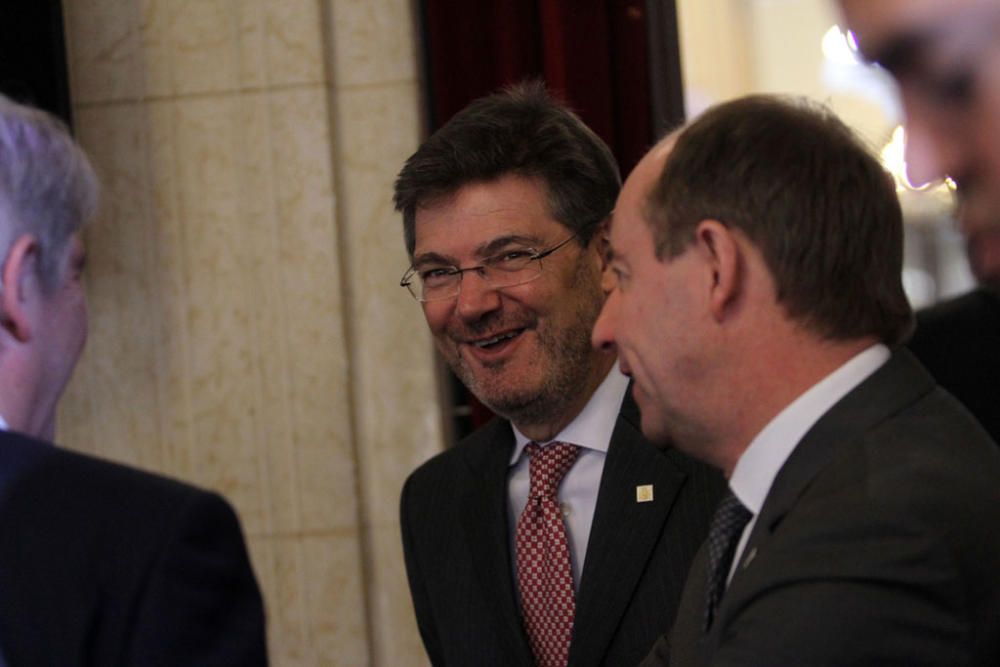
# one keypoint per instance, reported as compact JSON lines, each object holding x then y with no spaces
{"x":510,"y":267}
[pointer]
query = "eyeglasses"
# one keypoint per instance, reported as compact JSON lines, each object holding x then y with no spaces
{"x":508,"y":268}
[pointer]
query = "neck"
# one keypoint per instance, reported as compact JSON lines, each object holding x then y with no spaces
{"x":551,"y":422}
{"x":23,"y":405}
{"x":776,"y":378}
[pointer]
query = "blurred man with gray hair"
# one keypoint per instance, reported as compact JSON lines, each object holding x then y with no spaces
{"x":100,"y":564}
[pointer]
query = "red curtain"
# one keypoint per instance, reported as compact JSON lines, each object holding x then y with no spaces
{"x":592,"y":52}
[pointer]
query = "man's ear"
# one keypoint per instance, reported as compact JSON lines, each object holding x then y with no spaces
{"x":18,"y":287}
{"x":602,"y":243}
{"x":718,"y":246}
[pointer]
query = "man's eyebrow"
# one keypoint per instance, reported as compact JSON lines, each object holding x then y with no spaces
{"x":485,"y":250}
{"x":425,"y":258}
{"x":501,"y":242}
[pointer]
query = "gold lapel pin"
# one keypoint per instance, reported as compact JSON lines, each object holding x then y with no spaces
{"x":644,"y":493}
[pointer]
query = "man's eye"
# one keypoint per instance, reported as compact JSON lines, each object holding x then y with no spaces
{"x":437,"y":274}
{"x":952,"y":88}
{"x":619,"y":275}
{"x":512,"y":256}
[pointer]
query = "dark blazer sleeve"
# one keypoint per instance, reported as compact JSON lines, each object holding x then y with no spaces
{"x":421,"y":602}
{"x":201,"y":605}
{"x":959,"y":342}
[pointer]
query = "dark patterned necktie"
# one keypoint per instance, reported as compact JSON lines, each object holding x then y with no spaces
{"x":543,"y":567}
{"x":730,"y":519}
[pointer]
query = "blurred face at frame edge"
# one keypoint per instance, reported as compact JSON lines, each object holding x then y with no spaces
{"x":945,"y":56}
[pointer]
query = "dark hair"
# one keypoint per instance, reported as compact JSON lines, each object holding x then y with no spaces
{"x":808,"y":193}
{"x":521,"y":130}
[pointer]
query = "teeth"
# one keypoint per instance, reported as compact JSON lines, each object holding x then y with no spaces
{"x":495,"y":339}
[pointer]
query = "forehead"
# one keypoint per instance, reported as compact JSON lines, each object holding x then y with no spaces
{"x":628,"y":223}
{"x":880,"y":24}
{"x":481,"y":212}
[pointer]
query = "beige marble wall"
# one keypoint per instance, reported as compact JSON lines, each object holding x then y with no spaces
{"x":247,"y":330}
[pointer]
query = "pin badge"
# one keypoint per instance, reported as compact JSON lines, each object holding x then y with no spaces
{"x":749,"y":557}
{"x":644,"y":493}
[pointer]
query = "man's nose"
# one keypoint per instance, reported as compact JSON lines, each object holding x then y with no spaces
{"x":603,"y":336}
{"x":477,"y":296}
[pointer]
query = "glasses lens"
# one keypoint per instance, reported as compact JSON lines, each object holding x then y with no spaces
{"x":438,"y":285}
{"x":515,"y":271}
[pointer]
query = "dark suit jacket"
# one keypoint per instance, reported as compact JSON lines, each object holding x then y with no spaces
{"x":878,"y":543}
{"x":959,"y":343}
{"x":455,"y":538}
{"x":104,"y":565}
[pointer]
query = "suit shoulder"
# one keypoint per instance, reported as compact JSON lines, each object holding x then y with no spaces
{"x":92,"y":471}
{"x":67,"y":486}
{"x":972,"y":315}
{"x":472,"y":450}
{"x":926,"y":463}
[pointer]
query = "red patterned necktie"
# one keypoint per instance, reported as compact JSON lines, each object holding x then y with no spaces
{"x":543,"y":568}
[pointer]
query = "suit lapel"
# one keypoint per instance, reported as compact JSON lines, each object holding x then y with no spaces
{"x":622,"y":536}
{"x":484,"y":516}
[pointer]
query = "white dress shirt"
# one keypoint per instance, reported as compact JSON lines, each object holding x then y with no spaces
{"x":759,"y":465}
{"x":591,"y":431}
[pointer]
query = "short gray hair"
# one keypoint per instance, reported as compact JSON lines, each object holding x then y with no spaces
{"x":47,"y":185}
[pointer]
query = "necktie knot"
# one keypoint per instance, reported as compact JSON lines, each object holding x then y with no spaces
{"x":547,"y":466}
{"x":730,"y":518}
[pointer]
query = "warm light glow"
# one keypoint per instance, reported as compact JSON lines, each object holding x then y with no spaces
{"x":840,"y":47}
{"x":852,"y":41}
{"x":894,"y":159}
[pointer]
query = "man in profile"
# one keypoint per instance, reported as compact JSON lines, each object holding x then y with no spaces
{"x":944,"y":55}
{"x":758,"y":308}
{"x":555,"y":534}
{"x":99,"y":564}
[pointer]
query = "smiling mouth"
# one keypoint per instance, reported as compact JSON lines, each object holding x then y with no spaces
{"x":494,"y":341}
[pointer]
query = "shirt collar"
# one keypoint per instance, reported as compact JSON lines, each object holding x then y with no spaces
{"x":591,"y":428}
{"x":759,"y":464}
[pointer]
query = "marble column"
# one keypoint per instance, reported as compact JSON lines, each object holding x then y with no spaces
{"x":247,"y":331}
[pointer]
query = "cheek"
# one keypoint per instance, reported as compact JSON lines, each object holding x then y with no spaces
{"x":82,"y":316}
{"x":630,"y":322}
{"x":437,"y":316}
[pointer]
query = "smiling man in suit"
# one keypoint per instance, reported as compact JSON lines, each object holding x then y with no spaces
{"x":758,"y":307}
{"x":555,"y":534}
{"x":99,"y":564}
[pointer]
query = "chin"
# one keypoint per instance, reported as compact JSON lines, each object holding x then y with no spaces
{"x":655,"y":432}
